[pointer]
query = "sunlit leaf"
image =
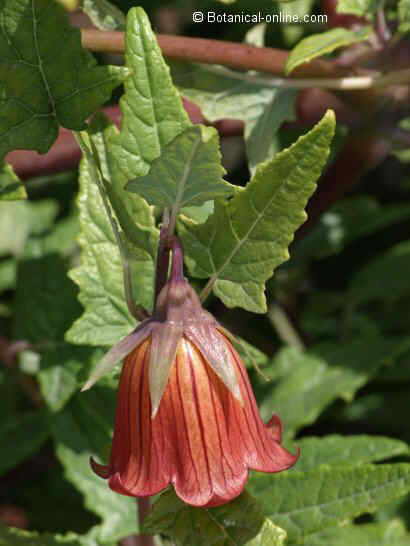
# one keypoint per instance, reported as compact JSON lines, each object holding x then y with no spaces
{"x":325,"y":42}
{"x":104,"y":14}
{"x":243,"y":241}
{"x":188,"y":172}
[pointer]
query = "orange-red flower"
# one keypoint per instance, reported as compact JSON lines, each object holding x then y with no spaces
{"x":186,"y":413}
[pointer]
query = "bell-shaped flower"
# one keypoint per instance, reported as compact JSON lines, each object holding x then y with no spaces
{"x":186,"y":414}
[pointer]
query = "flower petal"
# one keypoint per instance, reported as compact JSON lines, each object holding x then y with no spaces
{"x":165,"y":339}
{"x":209,"y":469}
{"x":214,"y":347}
{"x":118,"y":352}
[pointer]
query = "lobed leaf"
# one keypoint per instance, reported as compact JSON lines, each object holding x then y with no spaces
{"x":151,"y":106}
{"x":243,"y":241}
{"x":303,"y":503}
{"x":41,"y":90}
{"x":188,"y":172}
{"x":325,"y":42}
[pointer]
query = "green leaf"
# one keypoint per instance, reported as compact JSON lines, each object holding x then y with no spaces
{"x":23,"y":434}
{"x":11,"y":187}
{"x":362,"y":8}
{"x":392,"y":533}
{"x":305,"y":502}
{"x":82,"y":430}
{"x":42,"y":90}
{"x":152,"y":109}
{"x":346,"y":450}
{"x":384,"y":278}
{"x":188,"y":172}
{"x":104,"y":14}
{"x":152,"y":117}
{"x":106,"y":318}
{"x":221,"y":526}
{"x":404,"y":16}
{"x":327,"y":372}
{"x":326,"y":42}
{"x":220,"y":94}
{"x":243,"y":241}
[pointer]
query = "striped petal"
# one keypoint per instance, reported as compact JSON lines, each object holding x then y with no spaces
{"x":202,"y":440}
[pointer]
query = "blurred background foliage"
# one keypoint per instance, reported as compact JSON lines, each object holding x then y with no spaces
{"x":344,"y":295}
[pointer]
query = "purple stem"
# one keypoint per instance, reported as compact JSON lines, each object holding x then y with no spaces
{"x":161,"y":273}
{"x":144,"y":508}
{"x":177,"y":269}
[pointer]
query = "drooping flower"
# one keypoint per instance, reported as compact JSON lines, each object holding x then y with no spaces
{"x":186,"y":414}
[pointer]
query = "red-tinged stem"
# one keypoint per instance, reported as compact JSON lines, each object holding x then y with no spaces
{"x":143,"y":509}
{"x":177,"y":270}
{"x":235,"y":55}
{"x":161,"y":272}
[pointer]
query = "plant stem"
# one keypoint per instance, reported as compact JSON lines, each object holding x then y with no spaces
{"x":162,"y":265}
{"x":143,"y":509}
{"x":263,"y":59}
{"x":201,"y":50}
{"x":348,"y":82}
{"x":284,"y":327}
